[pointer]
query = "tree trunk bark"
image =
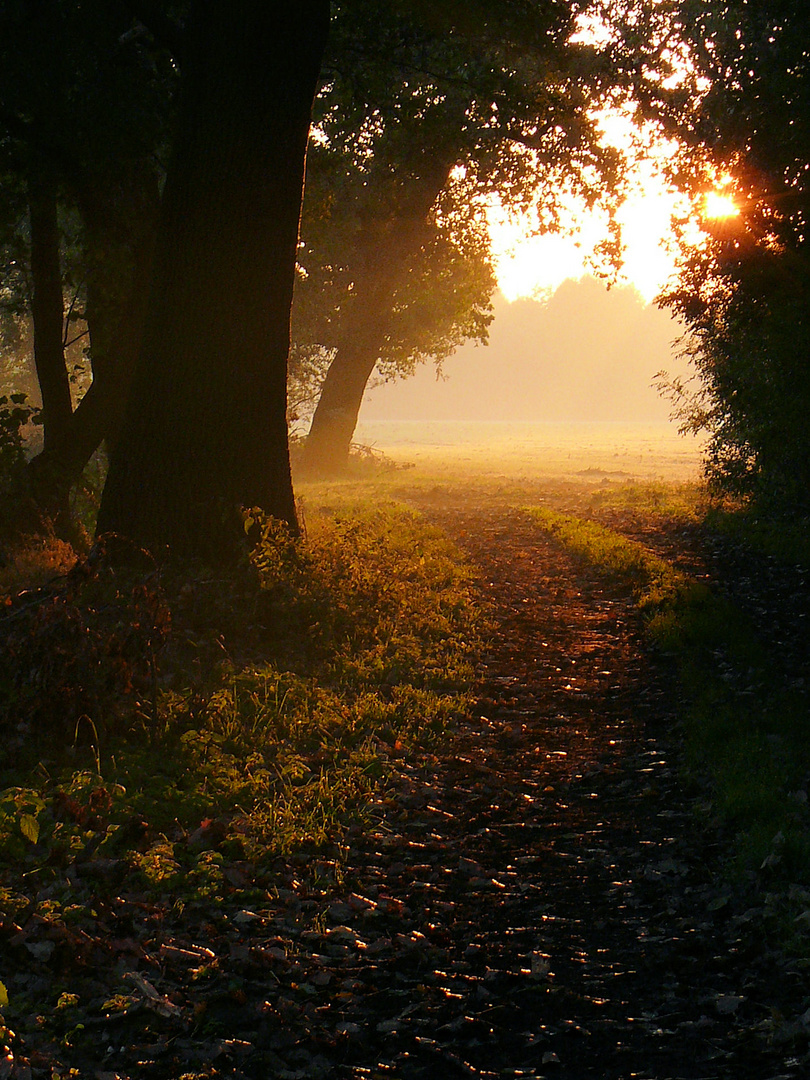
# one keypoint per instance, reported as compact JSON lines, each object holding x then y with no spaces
{"x":120,"y":226}
{"x":362,"y":338}
{"x":382,"y":266}
{"x":47,"y":310}
{"x":120,"y":215}
{"x":206,"y":428}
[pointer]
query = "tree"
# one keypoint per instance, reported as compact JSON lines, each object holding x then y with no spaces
{"x":85,"y":97}
{"x":205,"y":430}
{"x":397,"y":279}
{"x":737,"y":96}
{"x":47,"y":307}
{"x":442,"y":300}
{"x":414,"y":100}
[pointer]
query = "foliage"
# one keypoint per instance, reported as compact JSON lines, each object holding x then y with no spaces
{"x":729,"y":82}
{"x":745,"y":344}
{"x":79,"y":655}
{"x":371,"y":624}
{"x":15,"y":415}
{"x":31,"y":560}
{"x":441,"y":297}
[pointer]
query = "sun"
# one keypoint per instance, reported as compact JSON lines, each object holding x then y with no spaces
{"x":717,"y":205}
{"x":657,"y":221}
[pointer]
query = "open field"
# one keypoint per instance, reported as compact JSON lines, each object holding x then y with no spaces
{"x":589,"y":451}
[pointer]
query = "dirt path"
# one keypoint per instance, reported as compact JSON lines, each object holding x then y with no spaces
{"x":559,"y":915}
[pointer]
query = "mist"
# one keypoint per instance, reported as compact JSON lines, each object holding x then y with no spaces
{"x":585,"y":354}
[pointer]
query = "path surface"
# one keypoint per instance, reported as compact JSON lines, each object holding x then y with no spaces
{"x":559,"y":913}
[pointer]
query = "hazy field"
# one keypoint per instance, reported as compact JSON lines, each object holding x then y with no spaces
{"x":597,"y":451}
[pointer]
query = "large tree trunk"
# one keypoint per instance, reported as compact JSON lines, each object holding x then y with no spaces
{"x":206,"y":425}
{"x":382,"y":265}
{"x":47,"y":310}
{"x":120,"y":215}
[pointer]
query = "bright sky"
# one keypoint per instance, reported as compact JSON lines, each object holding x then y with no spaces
{"x":536,"y":265}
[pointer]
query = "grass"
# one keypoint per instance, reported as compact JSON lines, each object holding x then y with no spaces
{"x":745,"y":723}
{"x":659,"y":588}
{"x":788,"y":541}
{"x":214,"y":757}
{"x":654,"y":501}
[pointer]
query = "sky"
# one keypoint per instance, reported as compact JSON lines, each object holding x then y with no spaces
{"x":563,"y":345}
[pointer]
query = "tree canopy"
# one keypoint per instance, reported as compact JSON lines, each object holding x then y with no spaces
{"x":422,"y":118}
{"x":729,"y":82}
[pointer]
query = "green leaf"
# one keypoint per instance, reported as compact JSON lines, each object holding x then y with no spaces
{"x":3,"y":995}
{"x":29,"y":827}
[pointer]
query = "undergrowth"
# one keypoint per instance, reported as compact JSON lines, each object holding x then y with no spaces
{"x":180,"y":736}
{"x":783,"y":539}
{"x":745,"y":724}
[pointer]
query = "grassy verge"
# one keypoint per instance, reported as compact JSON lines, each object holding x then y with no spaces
{"x":161,"y":759}
{"x":745,"y":725}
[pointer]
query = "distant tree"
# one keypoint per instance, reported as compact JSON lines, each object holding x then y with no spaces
{"x":424,"y":113}
{"x":397,"y":267}
{"x":441,"y":301}
{"x":205,"y":430}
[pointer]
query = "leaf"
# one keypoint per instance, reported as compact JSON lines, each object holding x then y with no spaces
{"x":3,"y":995}
{"x":41,"y":950}
{"x":29,"y":827}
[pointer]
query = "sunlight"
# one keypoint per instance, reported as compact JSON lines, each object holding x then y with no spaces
{"x":717,"y":205}
{"x":657,"y":224}
{"x":529,"y":263}
{"x":657,"y":221}
{"x":537,"y":264}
